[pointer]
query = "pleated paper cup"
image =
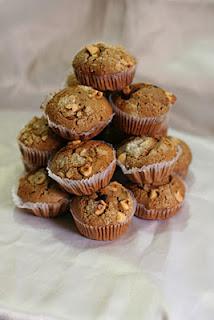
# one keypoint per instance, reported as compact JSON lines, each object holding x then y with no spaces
{"x":108,"y":82}
{"x":33,"y":158}
{"x":138,"y":126}
{"x":70,"y":134}
{"x":153,"y":173}
{"x":41,"y":209}
{"x":156,"y":214}
{"x":86,"y":186}
{"x":102,"y":233}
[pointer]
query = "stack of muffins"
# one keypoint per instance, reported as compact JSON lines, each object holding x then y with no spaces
{"x":68,"y":171}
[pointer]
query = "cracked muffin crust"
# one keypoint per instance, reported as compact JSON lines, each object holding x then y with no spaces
{"x":37,"y":135}
{"x":144,"y":100}
{"x":110,"y":205}
{"x":80,"y":110}
{"x":184,"y":160}
{"x":36,"y":186}
{"x":140,"y":151}
{"x":81,"y":160}
{"x":159,"y":202}
{"x":104,"y":67}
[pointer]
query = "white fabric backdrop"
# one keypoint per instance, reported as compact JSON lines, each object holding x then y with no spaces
{"x":157,"y":270}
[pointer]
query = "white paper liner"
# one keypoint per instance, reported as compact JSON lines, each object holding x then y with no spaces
{"x":70,"y":134}
{"x":103,"y":233}
{"x":40,"y":209}
{"x":112,"y":82}
{"x":34,"y":158}
{"x":137,"y":126}
{"x":156,"y":214}
{"x":153,"y":172}
{"x":89,"y":185}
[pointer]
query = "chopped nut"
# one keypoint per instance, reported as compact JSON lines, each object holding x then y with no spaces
{"x":69,"y":174}
{"x":100,"y":207}
{"x":99,"y":94}
{"x":86,"y":170}
{"x":121,"y":217}
{"x":60,"y":174}
{"x":79,"y":114}
{"x":83,"y":153}
{"x":37,"y":178}
{"x":74,"y":143}
{"x":171,"y":97}
{"x":153,"y":195}
{"x":93,"y":50}
{"x":74,"y":107}
{"x":178,"y":196}
{"x":113,"y":187}
{"x":124,"y":204}
{"x":122,"y":157}
{"x":44,"y":138}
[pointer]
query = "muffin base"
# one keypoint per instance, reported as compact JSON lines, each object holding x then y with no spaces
{"x":153,"y":173}
{"x":32,"y":158}
{"x":69,"y":134}
{"x":41,"y":209}
{"x":133,"y":125}
{"x":86,"y":186}
{"x":155,"y":214}
{"x":111,"y":82}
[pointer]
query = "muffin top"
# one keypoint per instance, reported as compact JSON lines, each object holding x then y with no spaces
{"x":79,"y":108}
{"x":186,"y":156}
{"x":36,"y":134}
{"x":81,"y":160}
{"x":144,"y":100}
{"x":36,"y":186}
{"x":101,"y":58}
{"x":111,"y":205}
{"x":139,"y":151}
{"x":168,"y":195}
{"x":72,"y":80}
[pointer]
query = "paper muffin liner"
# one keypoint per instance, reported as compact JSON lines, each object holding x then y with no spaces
{"x":152,"y":173}
{"x":70,"y":134}
{"x":112,"y":82}
{"x":86,"y":186}
{"x":40,"y":209}
{"x":137,"y":126}
{"x":156,"y":214}
{"x":102,"y":233}
{"x":33,"y":158}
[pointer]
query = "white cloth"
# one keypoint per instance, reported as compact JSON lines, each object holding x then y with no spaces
{"x":158,"y":270}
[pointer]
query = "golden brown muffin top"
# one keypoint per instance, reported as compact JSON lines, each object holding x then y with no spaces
{"x":72,"y":80}
{"x":101,"y":59}
{"x":36,"y":134}
{"x":144,"y":100}
{"x":78,"y":108}
{"x":81,"y":160}
{"x":185,"y":158}
{"x":111,"y":205}
{"x":139,"y":151}
{"x":168,"y":195}
{"x":36,"y":186}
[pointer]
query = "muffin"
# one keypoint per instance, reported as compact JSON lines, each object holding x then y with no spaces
{"x":104,"y":67}
{"x":83,"y":167}
{"x":40,"y":195}
{"x":37,"y":142}
{"x":71,"y":80}
{"x":142,"y":109}
{"x":159,"y":202}
{"x":78,"y":112}
{"x":183,"y":162}
{"x":148,"y":159}
{"x":104,"y":215}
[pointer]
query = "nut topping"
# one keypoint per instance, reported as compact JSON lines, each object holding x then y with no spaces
{"x":121,"y":217}
{"x":100,"y":208}
{"x":38,"y":178}
{"x":153,"y":194}
{"x":124,"y":204}
{"x":93,"y":50}
{"x":122,"y":157}
{"x":178,"y":196}
{"x":86,"y":170}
